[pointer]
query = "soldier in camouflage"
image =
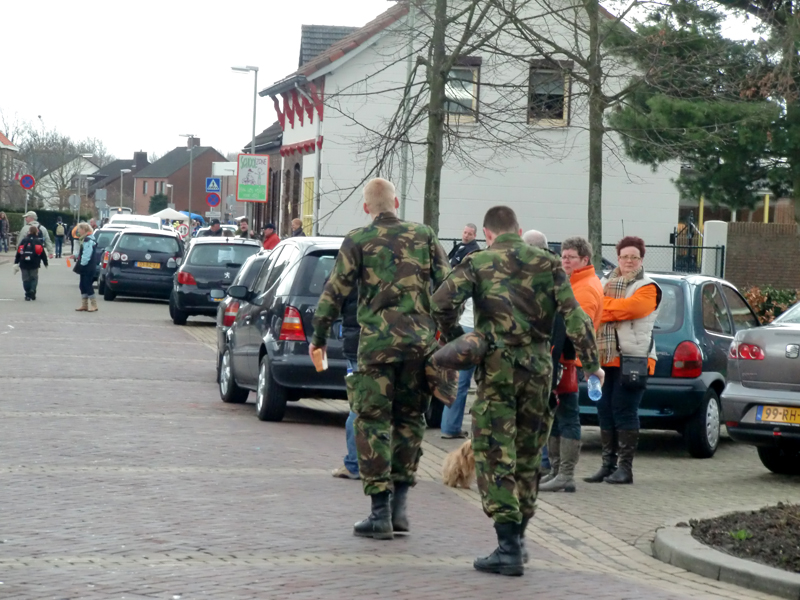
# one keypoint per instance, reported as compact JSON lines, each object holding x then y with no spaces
{"x":517,"y":290}
{"x":395,"y":265}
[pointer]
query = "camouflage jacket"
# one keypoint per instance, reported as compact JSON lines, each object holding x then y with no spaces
{"x":517,"y":290}
{"x":396,"y":265}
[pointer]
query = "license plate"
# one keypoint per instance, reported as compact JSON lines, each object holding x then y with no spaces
{"x":778,"y":414}
{"x":148,"y":265}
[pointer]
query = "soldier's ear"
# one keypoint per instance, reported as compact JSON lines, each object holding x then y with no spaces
{"x":520,"y":231}
{"x":396,"y":202}
{"x":366,"y":210}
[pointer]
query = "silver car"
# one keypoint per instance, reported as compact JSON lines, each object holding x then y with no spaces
{"x":761,"y":401}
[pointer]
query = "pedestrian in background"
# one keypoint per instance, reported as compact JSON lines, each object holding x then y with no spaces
{"x":564,"y":444}
{"x":5,"y":231}
{"x":453,"y":415}
{"x":630,"y":306}
{"x":389,"y":390}
{"x":245,"y":232}
{"x":31,"y":220}
{"x":85,"y":263}
{"x":467,"y":246}
{"x":71,"y":233}
{"x":517,"y":289}
{"x":30,"y":255}
{"x":297,"y":228}
{"x":271,"y":238}
{"x":215,"y":230}
{"x":351,"y":331}
{"x":59,"y":233}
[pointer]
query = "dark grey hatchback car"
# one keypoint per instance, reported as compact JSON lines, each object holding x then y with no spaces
{"x":266,"y":347}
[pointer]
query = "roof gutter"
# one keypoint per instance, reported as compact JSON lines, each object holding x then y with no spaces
{"x":286,"y":85}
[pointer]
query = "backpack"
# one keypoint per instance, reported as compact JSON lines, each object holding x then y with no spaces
{"x":60,"y":229}
{"x":30,"y":253}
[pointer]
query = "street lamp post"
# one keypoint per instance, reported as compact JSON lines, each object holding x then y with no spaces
{"x":121,"y":181}
{"x":191,"y":160}
{"x":255,"y":97}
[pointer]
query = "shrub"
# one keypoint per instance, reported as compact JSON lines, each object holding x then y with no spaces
{"x":769,"y":302}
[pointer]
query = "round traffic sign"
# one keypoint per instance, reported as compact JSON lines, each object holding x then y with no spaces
{"x":213,"y":199}
{"x":183,"y":230}
{"x":27,"y":182}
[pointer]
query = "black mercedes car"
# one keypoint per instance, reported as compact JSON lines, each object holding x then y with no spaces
{"x":202,"y":279}
{"x":141,"y":263}
{"x":266,"y":347}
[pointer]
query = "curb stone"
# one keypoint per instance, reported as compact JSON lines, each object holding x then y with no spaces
{"x":676,"y":546}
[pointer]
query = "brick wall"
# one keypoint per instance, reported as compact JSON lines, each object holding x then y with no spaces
{"x":763,"y":254}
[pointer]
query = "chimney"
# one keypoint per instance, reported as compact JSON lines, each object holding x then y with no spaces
{"x":193,"y":141}
{"x":140,"y":160}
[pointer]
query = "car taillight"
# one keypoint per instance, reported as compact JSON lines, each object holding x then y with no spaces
{"x":687,"y":360}
{"x":185,"y":278}
{"x":230,"y":314}
{"x":292,"y":327}
{"x":105,"y":258}
{"x":745,"y":352}
{"x":115,"y":256}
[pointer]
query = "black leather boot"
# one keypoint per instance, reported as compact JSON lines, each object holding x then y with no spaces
{"x":507,"y":557}
{"x":378,"y":525}
{"x":523,"y":549}
{"x":399,"y":517}
{"x":608,"y":439}
{"x":628,"y":441}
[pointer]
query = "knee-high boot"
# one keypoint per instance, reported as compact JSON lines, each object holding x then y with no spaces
{"x":628,"y":441}
{"x":608,"y":439}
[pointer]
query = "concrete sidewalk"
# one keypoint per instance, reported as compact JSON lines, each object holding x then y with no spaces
{"x":122,"y":475}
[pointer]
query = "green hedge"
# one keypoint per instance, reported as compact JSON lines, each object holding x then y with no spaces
{"x":769,"y":302}
{"x":47,"y":218}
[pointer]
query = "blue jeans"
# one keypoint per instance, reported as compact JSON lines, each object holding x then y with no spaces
{"x":568,"y":418}
{"x":4,"y":242}
{"x":618,"y":408}
{"x":59,"y":245}
{"x":453,"y":415}
{"x":351,"y":460}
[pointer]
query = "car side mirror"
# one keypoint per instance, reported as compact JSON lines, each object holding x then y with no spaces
{"x":238,"y":291}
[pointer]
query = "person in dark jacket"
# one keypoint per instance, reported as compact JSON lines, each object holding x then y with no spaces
{"x":30,"y":255}
{"x":467,"y":246}
{"x":297,"y":228}
{"x":245,"y":232}
{"x":214,"y":231}
{"x":86,"y":262}
{"x":351,"y":332}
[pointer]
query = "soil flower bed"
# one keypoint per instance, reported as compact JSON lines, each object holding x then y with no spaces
{"x":770,"y":536}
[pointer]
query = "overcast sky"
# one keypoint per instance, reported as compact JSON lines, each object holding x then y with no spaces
{"x":138,"y":74}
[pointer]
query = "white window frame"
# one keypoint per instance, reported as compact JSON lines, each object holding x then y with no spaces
{"x":470,"y":117}
{"x":561,"y":67}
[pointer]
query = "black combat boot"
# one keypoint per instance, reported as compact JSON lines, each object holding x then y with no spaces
{"x":507,"y":557}
{"x":378,"y":524}
{"x":523,"y":550}
{"x":399,"y":517}
{"x":608,"y":438}
{"x":628,"y":441}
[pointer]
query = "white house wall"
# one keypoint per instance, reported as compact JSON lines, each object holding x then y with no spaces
{"x":547,"y":185}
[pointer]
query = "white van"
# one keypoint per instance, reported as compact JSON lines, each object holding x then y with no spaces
{"x":140,"y":220}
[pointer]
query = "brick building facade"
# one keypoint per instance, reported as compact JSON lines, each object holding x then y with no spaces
{"x":763,"y":254}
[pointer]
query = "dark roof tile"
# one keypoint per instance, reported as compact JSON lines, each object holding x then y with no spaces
{"x":172,"y":161}
{"x":315,"y":39}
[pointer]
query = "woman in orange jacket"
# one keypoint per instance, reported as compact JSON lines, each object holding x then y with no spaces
{"x":625,"y":342}
{"x":564,"y":444}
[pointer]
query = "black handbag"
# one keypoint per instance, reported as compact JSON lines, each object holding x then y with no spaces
{"x":634,"y":372}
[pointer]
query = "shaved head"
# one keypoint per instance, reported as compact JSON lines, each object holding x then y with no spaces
{"x":379,"y":196}
{"x":535,"y":238}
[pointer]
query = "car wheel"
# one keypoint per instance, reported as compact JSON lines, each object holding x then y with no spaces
{"x":780,"y":460}
{"x":108,"y":295}
{"x":270,"y":396}
{"x":433,"y":416}
{"x":228,"y":390}
{"x":179,"y":317}
{"x":703,"y":429}
{"x":101,"y":286}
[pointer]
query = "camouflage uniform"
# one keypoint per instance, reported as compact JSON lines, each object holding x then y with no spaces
{"x":517,"y":290}
{"x":395,"y":264}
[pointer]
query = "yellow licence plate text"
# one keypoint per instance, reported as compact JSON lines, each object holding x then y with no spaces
{"x":148,"y":265}
{"x":778,"y":414}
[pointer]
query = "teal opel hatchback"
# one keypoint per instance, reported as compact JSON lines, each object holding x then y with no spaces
{"x":697,"y":321}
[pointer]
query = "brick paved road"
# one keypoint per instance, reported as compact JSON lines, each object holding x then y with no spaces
{"x":122,"y":475}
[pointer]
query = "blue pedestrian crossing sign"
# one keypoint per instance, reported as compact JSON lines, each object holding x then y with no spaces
{"x":213,"y":184}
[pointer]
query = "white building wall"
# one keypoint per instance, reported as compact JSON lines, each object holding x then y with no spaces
{"x":546,"y":183}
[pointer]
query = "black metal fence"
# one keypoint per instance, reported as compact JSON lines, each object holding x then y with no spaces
{"x":683,"y":257}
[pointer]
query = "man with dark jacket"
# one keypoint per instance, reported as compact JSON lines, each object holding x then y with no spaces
{"x":467,"y":246}
{"x":214,"y":231}
{"x":351,"y":332}
{"x":30,"y":255}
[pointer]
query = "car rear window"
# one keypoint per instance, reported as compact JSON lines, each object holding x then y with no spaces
{"x":135,"y":222}
{"x":670,"y":312}
{"x":315,"y":269}
{"x":133,"y":242}
{"x":104,"y":238}
{"x":221,"y":255}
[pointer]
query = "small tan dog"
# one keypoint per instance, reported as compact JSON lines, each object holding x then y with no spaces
{"x":458,"y":469}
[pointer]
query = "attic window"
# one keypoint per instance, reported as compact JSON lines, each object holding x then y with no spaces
{"x":548,"y":92}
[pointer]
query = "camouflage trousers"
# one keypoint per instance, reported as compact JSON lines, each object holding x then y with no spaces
{"x":390,"y":401}
{"x":511,"y":421}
